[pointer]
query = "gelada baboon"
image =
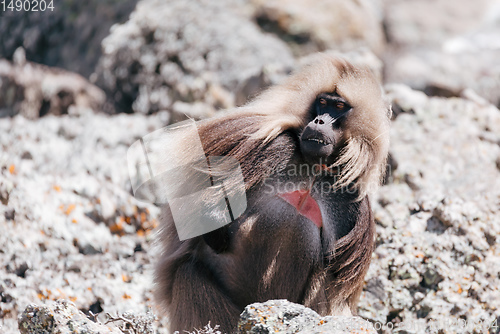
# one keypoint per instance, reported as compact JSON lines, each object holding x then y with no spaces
{"x":310,"y":150}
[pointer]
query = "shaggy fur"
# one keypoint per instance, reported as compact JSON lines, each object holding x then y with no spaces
{"x":270,"y":252}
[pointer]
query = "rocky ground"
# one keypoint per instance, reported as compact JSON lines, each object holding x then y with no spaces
{"x":71,"y":229}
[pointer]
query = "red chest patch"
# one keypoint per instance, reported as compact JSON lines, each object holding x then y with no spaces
{"x":305,"y":205}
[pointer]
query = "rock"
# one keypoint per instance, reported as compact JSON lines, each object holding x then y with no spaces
{"x":326,"y":24}
{"x":10,"y":214}
{"x":142,"y":324}
{"x":444,"y":48}
{"x":455,"y":212}
{"x":22,"y":269}
{"x":6,"y":187}
{"x":431,"y":278}
{"x":60,"y":317}
{"x":34,"y":90}
{"x":420,"y":22}
{"x":188,"y":52}
{"x":448,"y":74}
{"x":376,"y":287}
{"x":285,"y":317}
{"x":68,"y":37}
{"x":52,"y":248}
{"x":449,"y":131}
{"x":437,"y":219}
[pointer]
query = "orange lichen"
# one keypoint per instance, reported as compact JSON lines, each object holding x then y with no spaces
{"x":45,"y":294}
{"x":12,"y":169}
{"x":117,"y":228}
{"x":140,"y":219}
{"x":67,"y":209}
{"x":57,"y":188}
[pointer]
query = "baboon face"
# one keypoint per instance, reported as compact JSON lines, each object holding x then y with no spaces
{"x":320,"y":138}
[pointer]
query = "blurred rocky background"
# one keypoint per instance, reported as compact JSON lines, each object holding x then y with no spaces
{"x":78,"y":85}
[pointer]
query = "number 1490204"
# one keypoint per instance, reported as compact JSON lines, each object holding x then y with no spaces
{"x":27,"y":5}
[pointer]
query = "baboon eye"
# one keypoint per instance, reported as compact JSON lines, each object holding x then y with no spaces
{"x":341,"y":106}
{"x":323,"y":102}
